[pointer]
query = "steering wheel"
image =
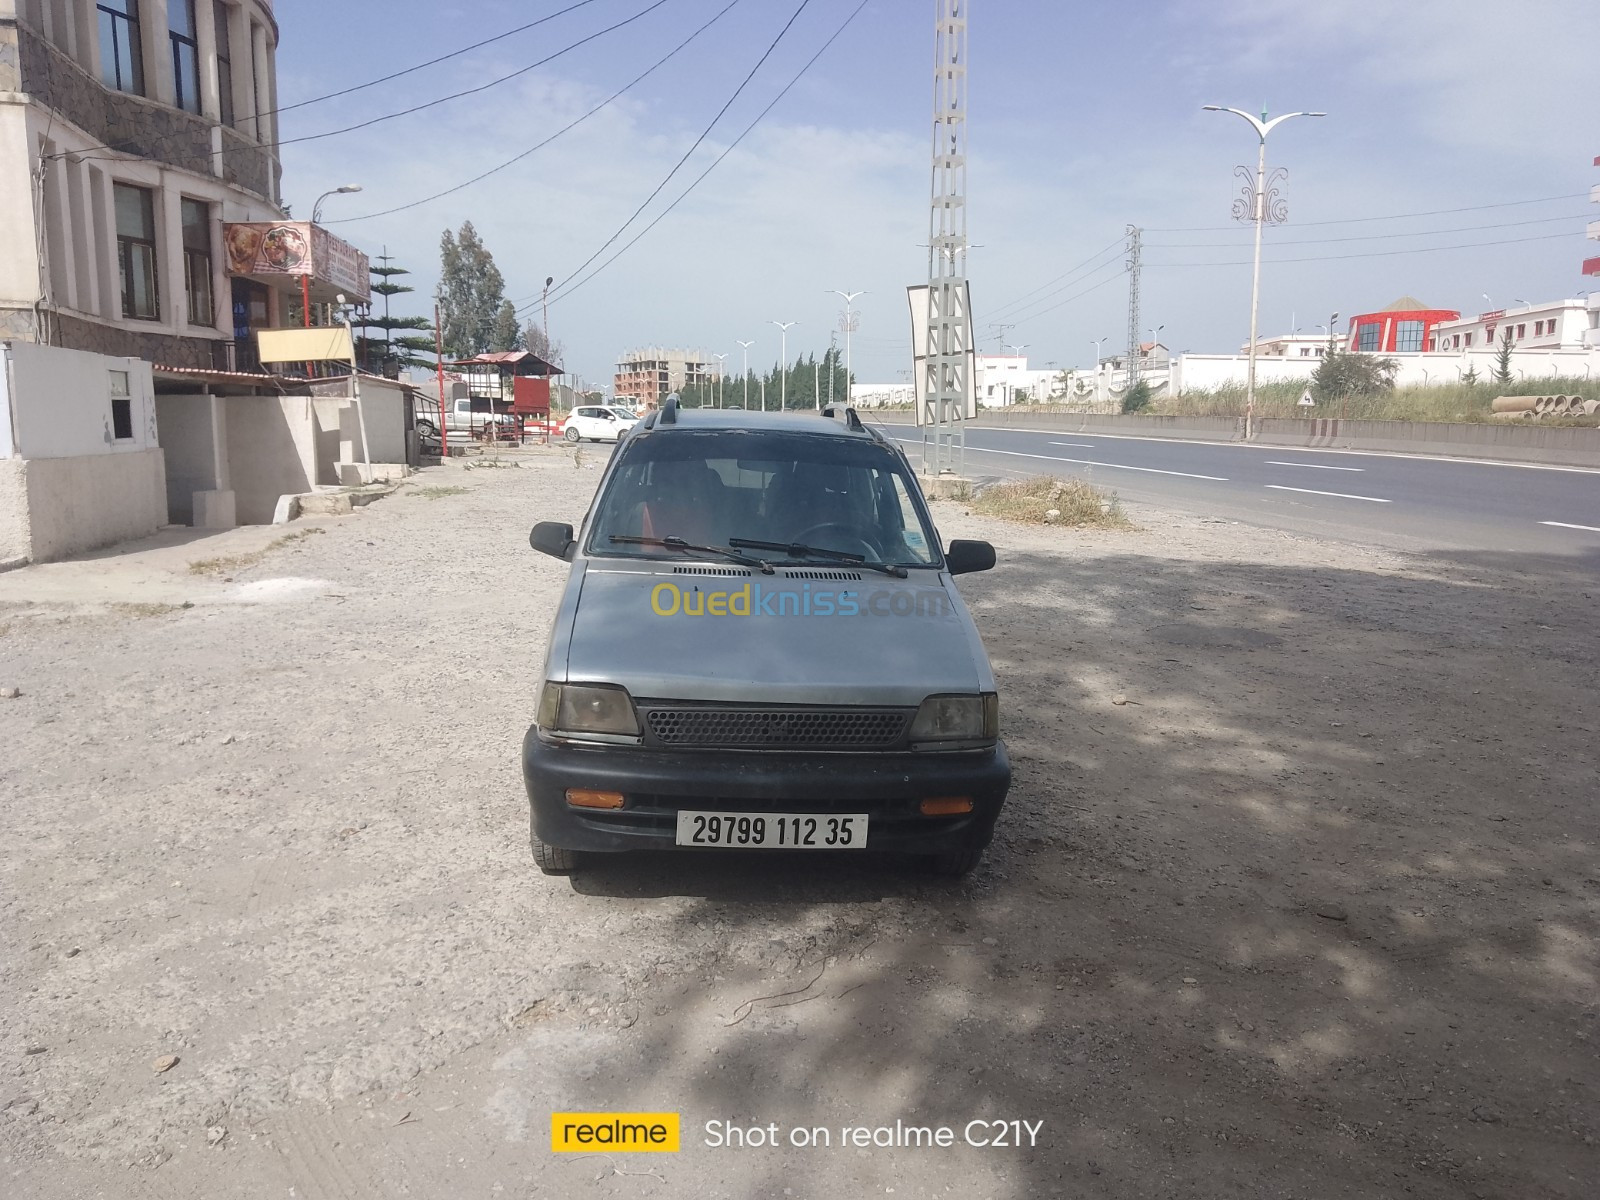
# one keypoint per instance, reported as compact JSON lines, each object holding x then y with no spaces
{"x":856,"y":543}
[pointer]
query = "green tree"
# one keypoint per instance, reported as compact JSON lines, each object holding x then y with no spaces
{"x":376,"y":350}
{"x":1347,"y":374}
{"x":1502,"y":359}
{"x":506,"y":332}
{"x":1471,"y":377}
{"x":472,"y":292}
{"x":1137,"y":397}
{"x":536,"y":340}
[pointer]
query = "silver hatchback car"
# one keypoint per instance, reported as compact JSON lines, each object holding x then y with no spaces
{"x":761,"y":646}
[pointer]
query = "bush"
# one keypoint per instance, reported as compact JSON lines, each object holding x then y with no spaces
{"x":1136,"y":397}
{"x":1342,"y":375}
{"x":1032,"y":501}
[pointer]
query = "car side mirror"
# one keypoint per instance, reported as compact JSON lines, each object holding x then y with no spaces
{"x":962,"y":558}
{"x":555,"y":539}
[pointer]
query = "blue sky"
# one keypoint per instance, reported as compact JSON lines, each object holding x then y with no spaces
{"x":1085,"y":118}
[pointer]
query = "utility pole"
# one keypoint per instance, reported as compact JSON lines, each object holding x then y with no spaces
{"x":1134,"y":234}
{"x":783,"y":365}
{"x":947,"y":338}
{"x":438,"y":350}
{"x":849,"y":327}
{"x":833,"y":366}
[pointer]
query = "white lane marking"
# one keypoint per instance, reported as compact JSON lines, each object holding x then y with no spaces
{"x":1272,"y":462}
{"x":1089,"y":462}
{"x":1443,"y":458}
{"x":1564,"y":525}
{"x":1078,"y":445}
{"x":1339,"y":495}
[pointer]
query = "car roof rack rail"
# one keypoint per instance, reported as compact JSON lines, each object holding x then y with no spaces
{"x":669,"y":411}
{"x":851,"y":420}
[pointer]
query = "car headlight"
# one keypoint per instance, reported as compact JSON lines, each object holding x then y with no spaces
{"x":948,"y":721}
{"x":587,"y":708}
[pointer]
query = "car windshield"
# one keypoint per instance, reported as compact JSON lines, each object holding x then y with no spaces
{"x":845,"y":495}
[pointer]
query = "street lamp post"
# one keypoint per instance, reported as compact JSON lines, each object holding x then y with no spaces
{"x":722,"y":371}
{"x":1258,"y":212}
{"x":745,"y":346}
{"x":1097,"y":343}
{"x":783,"y":366}
{"x":849,"y":299}
{"x":316,"y":209}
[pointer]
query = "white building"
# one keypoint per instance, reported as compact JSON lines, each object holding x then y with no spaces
{"x":1554,"y":325}
{"x":1290,"y":345}
{"x":1000,"y":378}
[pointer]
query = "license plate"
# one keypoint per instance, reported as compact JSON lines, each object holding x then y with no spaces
{"x":773,"y":831}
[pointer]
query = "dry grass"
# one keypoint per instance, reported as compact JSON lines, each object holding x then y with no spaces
{"x":227,"y":564}
{"x":436,"y":493}
{"x":1046,"y":500}
{"x":1441,"y":402}
{"x":143,"y":609}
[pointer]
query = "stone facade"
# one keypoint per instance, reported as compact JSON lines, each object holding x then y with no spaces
{"x":167,"y":349}
{"x":128,"y":123}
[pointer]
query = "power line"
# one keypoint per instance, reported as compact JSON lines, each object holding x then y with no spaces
{"x":1117,"y":264}
{"x":1544,"y":237}
{"x":677,"y":166}
{"x":312,"y":137}
{"x":432,"y":62}
{"x":1437,"y":212}
{"x":482,"y":87}
{"x":1076,"y":296}
{"x":637,"y":79}
{"x":1116,"y":245}
{"x":810,"y":62}
{"x":1371,"y":237}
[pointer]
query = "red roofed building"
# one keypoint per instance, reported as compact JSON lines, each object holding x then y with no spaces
{"x":1407,"y":325}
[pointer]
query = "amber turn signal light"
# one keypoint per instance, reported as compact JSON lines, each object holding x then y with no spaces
{"x":946,"y":806}
{"x":584,"y":798}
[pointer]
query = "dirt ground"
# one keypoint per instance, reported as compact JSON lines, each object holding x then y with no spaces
{"x":1312,"y":914}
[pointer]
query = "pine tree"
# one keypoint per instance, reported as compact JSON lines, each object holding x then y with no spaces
{"x":506,"y":333}
{"x":376,"y":351}
{"x":1502,"y":359}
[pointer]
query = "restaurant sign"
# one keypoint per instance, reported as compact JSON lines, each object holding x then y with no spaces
{"x":297,"y":248}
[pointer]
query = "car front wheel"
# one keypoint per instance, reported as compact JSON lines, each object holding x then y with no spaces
{"x":953,"y":864}
{"x":553,"y":860}
{"x":572,"y":435}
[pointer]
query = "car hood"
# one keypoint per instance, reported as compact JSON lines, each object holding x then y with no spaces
{"x":811,"y":636}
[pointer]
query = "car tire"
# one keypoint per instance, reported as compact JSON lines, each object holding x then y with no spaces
{"x":953,"y":864}
{"x":427,"y":429}
{"x":553,"y":860}
{"x":573,"y":436}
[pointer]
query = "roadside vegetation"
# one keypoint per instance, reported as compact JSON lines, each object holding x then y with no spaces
{"x":227,"y":564}
{"x":1046,"y":500}
{"x":436,"y":493}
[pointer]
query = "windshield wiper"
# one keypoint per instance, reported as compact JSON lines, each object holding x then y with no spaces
{"x":798,"y":550}
{"x":677,"y":543}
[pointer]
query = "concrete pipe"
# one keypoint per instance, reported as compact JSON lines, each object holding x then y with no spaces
{"x":1511,"y":404}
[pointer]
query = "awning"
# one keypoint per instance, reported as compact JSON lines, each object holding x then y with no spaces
{"x":280,"y":253}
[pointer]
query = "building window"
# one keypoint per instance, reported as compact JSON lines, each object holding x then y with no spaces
{"x":1469,"y":339}
{"x":1522,"y":332}
{"x":224,"y":62}
{"x":121,"y":407}
{"x":1367,"y":336}
{"x":185,"y":55}
{"x":1408,"y":336}
{"x":197,"y":261}
{"x":121,"y":58}
{"x":136,"y":251}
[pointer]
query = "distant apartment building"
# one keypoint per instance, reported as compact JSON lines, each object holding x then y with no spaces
{"x":1555,"y":325}
{"x":1290,"y":345}
{"x":1591,"y":266}
{"x":645,"y":377}
{"x":135,"y":135}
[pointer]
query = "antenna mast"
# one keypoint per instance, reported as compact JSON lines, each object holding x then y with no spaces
{"x":948,"y":337}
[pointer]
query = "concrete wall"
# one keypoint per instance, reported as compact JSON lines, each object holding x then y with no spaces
{"x":1211,"y":429}
{"x":1204,"y":372}
{"x":83,"y":503}
{"x":194,"y":441}
{"x":272,"y":451}
{"x":16,"y":544}
{"x":384,"y":404}
{"x":61,"y":401}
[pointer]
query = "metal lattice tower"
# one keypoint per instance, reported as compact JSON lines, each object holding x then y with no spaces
{"x":1134,"y":234}
{"x":948,"y":337}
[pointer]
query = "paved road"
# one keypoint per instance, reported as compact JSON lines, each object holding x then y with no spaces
{"x":1383,"y":499}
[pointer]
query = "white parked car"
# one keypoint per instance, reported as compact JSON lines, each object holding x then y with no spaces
{"x":598,"y":422}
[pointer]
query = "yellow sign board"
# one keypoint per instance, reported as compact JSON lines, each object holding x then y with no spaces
{"x":317,"y":344}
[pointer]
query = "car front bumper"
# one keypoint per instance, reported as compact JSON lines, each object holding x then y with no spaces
{"x":657,"y":783}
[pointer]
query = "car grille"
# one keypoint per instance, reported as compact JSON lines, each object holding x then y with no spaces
{"x":778,"y":728}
